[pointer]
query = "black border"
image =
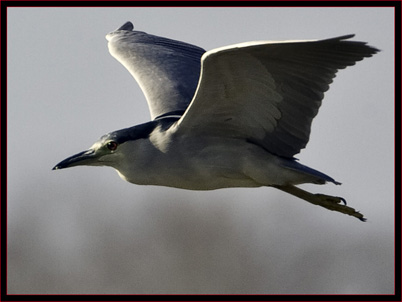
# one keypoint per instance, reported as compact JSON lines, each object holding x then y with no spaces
{"x":5,"y":297}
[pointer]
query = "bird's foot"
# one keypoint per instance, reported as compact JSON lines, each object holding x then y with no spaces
{"x":334,"y":199}
{"x":334,"y":203}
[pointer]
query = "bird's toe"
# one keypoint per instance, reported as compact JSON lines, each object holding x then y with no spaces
{"x":333,"y":199}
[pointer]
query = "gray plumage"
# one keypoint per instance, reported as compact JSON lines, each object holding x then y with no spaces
{"x":230,"y":117}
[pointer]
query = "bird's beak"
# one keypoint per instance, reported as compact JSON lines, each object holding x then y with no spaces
{"x":80,"y":159}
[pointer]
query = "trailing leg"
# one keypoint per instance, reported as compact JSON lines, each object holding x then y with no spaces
{"x":332,"y":203}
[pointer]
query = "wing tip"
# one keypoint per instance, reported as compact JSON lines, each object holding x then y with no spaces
{"x":126,"y":26}
{"x":359,"y":49}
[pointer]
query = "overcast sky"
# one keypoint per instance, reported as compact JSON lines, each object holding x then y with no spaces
{"x":85,"y":230}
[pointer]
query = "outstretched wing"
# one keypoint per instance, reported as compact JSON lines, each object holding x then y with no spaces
{"x":268,"y":92}
{"x":166,"y":70}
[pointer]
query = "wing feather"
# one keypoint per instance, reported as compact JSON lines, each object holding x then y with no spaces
{"x":166,"y":70}
{"x":268,"y":92}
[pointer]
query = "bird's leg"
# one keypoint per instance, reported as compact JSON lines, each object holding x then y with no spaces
{"x":332,"y":203}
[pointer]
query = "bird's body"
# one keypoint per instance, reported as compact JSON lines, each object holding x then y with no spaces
{"x":230,"y":117}
{"x":222,"y":162}
{"x":241,"y":165}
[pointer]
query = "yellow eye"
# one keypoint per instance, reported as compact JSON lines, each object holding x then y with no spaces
{"x":112,"y":146}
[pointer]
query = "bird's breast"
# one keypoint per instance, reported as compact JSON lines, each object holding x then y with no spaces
{"x":197,"y":164}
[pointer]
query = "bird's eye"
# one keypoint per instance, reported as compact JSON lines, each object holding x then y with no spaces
{"x":112,"y":146}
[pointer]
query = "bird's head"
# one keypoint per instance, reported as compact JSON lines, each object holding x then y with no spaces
{"x":110,"y":149}
{"x":101,"y":153}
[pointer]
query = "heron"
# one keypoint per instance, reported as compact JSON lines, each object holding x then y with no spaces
{"x":234,"y":116}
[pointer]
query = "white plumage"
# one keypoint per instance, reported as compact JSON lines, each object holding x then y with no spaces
{"x":230,"y":117}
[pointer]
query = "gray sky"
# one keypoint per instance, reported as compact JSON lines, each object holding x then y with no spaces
{"x":84,"y":230}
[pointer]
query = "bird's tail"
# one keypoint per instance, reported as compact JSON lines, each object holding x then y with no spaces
{"x":318,"y":177}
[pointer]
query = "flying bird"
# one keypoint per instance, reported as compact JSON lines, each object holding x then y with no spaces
{"x":230,"y":117}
